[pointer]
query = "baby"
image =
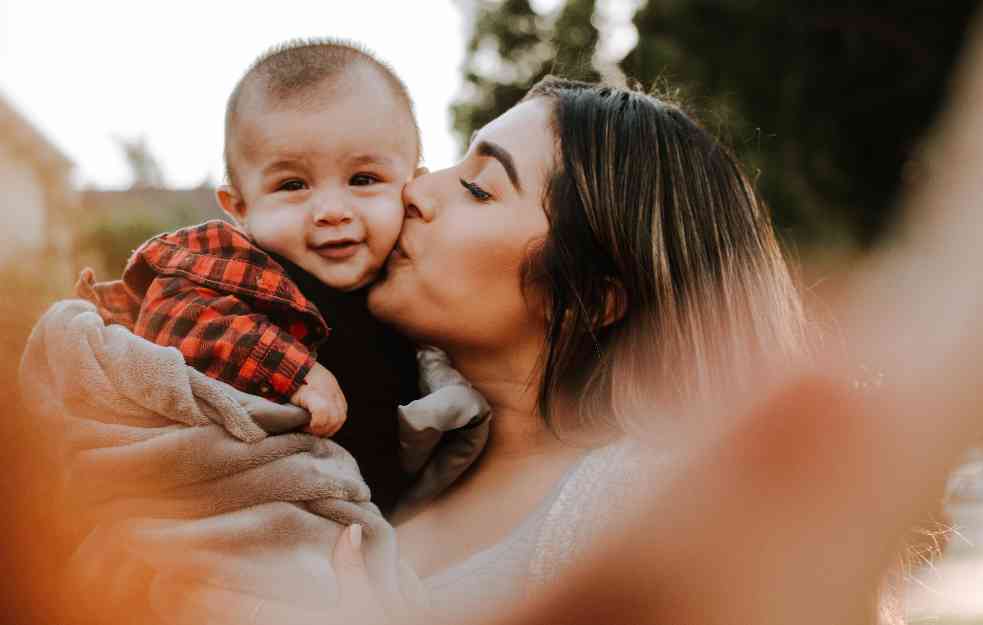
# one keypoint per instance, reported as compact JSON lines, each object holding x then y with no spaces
{"x":320,"y":138}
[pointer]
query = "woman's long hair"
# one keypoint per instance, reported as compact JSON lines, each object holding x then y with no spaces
{"x":661,"y":269}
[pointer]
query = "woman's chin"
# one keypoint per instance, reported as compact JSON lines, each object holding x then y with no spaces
{"x":376,"y":297}
{"x":399,"y":303}
{"x":383,"y":297}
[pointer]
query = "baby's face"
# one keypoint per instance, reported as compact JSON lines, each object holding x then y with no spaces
{"x":321,"y":182}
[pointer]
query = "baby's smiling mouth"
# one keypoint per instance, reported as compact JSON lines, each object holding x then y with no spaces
{"x":337,"y":249}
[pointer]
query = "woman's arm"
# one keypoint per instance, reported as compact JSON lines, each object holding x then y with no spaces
{"x":795,"y":515}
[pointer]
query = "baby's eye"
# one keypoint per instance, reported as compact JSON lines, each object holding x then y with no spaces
{"x":294,"y":184}
{"x":362,"y":180}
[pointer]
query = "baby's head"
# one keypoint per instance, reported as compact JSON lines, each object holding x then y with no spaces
{"x":320,"y":138}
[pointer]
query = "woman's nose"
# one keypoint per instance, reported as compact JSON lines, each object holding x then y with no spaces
{"x":417,"y":201}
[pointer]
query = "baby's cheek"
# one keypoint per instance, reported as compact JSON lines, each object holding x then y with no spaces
{"x":385,"y":223}
{"x":273,"y":233}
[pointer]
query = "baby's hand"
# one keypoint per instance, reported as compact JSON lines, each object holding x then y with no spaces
{"x":322,"y":397}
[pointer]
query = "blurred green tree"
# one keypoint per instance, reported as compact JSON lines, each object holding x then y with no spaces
{"x":511,"y":47}
{"x":111,"y":240}
{"x":827,"y":100}
{"x":145,"y":169}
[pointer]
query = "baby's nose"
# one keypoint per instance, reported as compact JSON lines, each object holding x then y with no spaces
{"x":331,"y":213}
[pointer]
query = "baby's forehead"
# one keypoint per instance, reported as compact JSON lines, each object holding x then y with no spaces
{"x":301,"y":127}
{"x":262,"y":139}
{"x":267,"y":120}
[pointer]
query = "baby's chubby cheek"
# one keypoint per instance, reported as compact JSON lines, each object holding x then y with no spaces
{"x":276,"y":235}
{"x":384,"y":229}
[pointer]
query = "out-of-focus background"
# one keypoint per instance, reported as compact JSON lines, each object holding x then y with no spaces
{"x":111,"y":131}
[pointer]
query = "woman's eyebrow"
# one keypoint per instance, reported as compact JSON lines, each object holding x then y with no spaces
{"x":497,"y":152}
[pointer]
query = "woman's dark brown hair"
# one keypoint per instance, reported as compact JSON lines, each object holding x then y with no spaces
{"x":661,"y":269}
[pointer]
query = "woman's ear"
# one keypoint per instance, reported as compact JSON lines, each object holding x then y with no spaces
{"x":615,"y":304}
{"x":231,"y":202}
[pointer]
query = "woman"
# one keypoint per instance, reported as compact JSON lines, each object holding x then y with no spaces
{"x":595,"y":259}
{"x":606,"y":226}
{"x":805,"y":502}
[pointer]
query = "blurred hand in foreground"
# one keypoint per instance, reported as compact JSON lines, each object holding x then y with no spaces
{"x":797,"y":512}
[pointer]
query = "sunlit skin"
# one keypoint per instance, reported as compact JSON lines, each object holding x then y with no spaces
{"x":791,"y":513}
{"x":455,"y":276}
{"x":318,"y":179}
{"x":455,"y":281}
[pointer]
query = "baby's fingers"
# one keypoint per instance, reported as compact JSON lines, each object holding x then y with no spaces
{"x":328,"y":414}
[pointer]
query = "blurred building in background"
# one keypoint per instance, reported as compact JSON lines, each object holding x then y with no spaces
{"x":39,"y":203}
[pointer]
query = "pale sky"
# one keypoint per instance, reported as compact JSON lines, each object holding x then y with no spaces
{"x":86,"y":71}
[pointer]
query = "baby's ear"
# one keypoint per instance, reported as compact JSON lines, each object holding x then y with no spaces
{"x":231,"y":202}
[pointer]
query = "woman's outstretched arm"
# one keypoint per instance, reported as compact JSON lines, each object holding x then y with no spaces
{"x":796,"y":514}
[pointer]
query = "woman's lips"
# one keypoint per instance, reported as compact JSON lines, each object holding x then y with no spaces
{"x":398,"y":254}
{"x":337,"y":251}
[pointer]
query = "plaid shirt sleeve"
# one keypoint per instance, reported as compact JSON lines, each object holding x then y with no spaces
{"x":220,"y":335}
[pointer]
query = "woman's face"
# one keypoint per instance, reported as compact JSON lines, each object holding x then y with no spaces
{"x":454,"y":279}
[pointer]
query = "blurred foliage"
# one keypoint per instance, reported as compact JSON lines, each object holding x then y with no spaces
{"x":145,"y":168}
{"x":826,"y":101}
{"x":512,"y":48}
{"x":117,"y":222}
{"x":109,"y":241}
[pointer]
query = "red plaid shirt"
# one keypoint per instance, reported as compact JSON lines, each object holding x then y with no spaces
{"x":224,"y":303}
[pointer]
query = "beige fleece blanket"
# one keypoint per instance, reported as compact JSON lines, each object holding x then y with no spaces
{"x":222,"y":501}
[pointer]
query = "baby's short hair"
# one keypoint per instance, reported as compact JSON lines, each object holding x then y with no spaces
{"x":293,"y":67}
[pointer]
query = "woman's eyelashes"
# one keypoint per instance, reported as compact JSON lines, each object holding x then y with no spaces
{"x":477,"y":192}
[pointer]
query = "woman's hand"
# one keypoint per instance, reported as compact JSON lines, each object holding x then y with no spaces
{"x":130,"y":572}
{"x":359,"y":600}
{"x":796,"y":514}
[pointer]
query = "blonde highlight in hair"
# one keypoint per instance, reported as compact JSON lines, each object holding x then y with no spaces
{"x":644,"y":202}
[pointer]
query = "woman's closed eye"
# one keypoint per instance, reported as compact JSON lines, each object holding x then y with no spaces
{"x":292,"y":184}
{"x":477,"y":192}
